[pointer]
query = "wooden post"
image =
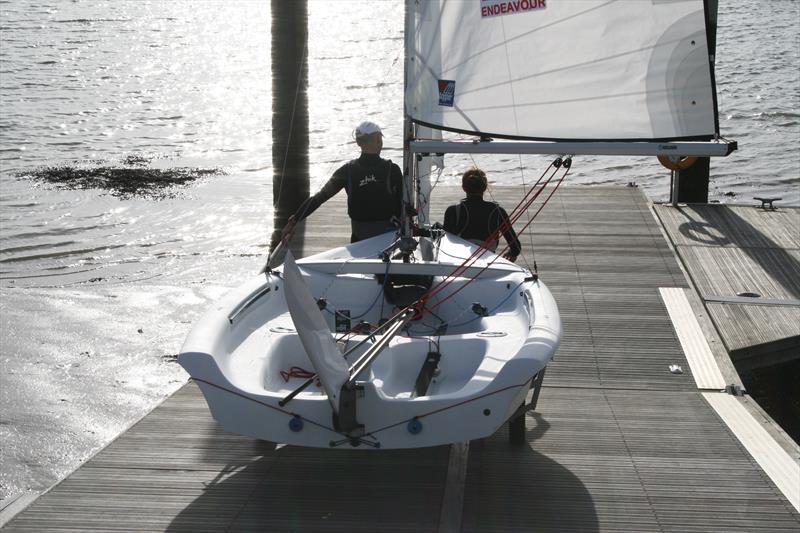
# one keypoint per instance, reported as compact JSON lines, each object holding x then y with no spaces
{"x":290,"y":185}
{"x":692,"y":183}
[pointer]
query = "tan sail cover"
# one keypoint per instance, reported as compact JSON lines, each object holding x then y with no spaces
{"x":562,"y":69}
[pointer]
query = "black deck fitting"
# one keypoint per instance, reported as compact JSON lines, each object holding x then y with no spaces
{"x":766,"y":203}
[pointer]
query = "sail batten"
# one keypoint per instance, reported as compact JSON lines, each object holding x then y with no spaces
{"x":576,"y":70}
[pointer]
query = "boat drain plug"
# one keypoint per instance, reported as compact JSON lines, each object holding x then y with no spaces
{"x":296,"y":423}
{"x":414,"y":426}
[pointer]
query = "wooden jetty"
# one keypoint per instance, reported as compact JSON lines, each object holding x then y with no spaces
{"x":621,"y":441}
{"x":744,"y":263}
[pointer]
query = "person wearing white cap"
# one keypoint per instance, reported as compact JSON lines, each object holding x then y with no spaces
{"x":374,"y":189}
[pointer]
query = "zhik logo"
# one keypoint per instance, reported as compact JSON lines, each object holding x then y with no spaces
{"x":368,"y":179}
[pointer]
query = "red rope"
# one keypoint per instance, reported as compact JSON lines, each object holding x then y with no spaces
{"x":297,"y":372}
{"x":484,"y":246}
{"x":525,"y":227}
{"x":518,"y":210}
{"x":516,"y":213}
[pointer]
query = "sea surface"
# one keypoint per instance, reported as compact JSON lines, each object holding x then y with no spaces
{"x":99,"y":285}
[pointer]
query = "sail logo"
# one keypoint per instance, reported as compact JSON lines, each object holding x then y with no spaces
{"x":494,"y":8}
{"x":370,"y":178}
{"x":447,"y":92}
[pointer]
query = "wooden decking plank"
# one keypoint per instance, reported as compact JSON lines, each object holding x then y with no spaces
{"x":749,"y":325}
{"x":730,"y":271}
{"x":732,"y":226}
{"x":633,"y":451}
{"x":618,"y":443}
{"x":729,"y":250}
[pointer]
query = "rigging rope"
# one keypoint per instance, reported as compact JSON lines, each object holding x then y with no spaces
{"x":515,"y":213}
{"x":298,"y":85}
{"x":530,"y":234}
{"x":522,"y":207}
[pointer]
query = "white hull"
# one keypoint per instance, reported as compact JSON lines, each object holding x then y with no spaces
{"x":237,"y":351}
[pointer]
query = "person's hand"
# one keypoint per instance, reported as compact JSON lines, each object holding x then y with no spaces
{"x":288,"y":229}
{"x":511,"y":257}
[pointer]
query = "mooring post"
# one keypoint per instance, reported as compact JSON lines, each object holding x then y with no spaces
{"x":691,"y":184}
{"x":290,"y":185}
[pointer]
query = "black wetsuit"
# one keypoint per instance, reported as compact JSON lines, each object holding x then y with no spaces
{"x":374,"y":195}
{"x":475,"y":219}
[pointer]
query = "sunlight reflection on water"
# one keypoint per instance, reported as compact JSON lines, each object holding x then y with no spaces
{"x":188,"y":84}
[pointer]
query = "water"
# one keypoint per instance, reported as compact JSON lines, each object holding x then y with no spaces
{"x":98,"y":290}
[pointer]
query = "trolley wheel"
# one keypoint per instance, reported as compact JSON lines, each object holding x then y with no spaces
{"x":516,"y":430}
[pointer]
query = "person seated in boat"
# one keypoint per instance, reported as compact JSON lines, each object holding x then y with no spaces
{"x":475,"y":219}
{"x":373,"y":185}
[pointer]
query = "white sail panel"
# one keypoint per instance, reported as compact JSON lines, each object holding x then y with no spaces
{"x":331,"y":368}
{"x":562,"y":69}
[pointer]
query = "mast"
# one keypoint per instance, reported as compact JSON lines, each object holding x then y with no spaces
{"x":408,"y":126}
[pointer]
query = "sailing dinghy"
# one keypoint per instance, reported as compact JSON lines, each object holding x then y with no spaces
{"x":406,"y":380}
{"x":418,"y":338}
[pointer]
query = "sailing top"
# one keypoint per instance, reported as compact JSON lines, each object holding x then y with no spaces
{"x":475,"y":219}
{"x":373,"y":185}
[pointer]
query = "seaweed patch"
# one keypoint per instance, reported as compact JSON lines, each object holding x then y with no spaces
{"x":134,"y":179}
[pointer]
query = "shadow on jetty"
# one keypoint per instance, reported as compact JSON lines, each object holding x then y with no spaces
{"x":772,"y":382}
{"x":516,"y":488}
{"x":722,"y":226}
{"x":131,"y":178}
{"x":304,"y":489}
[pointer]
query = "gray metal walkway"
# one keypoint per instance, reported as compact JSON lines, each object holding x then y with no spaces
{"x":619,"y":443}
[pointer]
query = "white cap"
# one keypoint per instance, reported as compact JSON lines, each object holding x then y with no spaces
{"x":366,"y":128}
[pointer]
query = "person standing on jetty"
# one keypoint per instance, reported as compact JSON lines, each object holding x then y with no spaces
{"x":374,"y":188}
{"x":475,"y":219}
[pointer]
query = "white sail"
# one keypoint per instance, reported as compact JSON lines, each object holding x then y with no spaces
{"x":562,"y":70}
{"x":331,"y":368}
